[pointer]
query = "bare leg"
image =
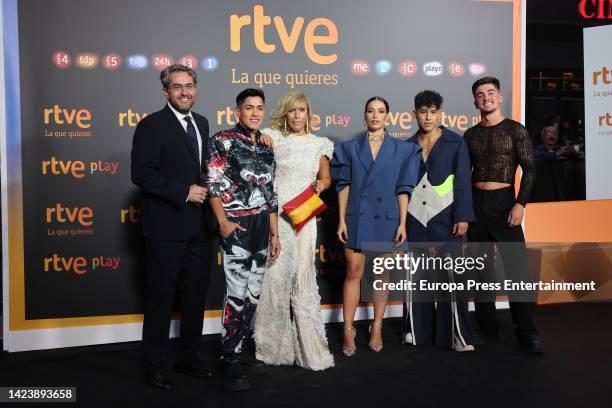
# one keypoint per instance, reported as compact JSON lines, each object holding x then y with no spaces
{"x":380,"y":304}
{"x":354,"y":270}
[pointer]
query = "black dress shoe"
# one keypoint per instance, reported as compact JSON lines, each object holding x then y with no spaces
{"x":235,"y":379}
{"x":158,"y":379}
{"x":253,"y":365}
{"x":531,"y":344}
{"x":193,"y":369}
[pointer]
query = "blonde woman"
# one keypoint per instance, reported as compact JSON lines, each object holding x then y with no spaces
{"x":289,"y":327}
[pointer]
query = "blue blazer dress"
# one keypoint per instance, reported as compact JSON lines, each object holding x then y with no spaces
{"x":372,"y":213}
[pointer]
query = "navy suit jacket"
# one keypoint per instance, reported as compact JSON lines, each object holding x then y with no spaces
{"x":164,"y":165}
{"x":372,"y":213}
{"x":443,"y":196}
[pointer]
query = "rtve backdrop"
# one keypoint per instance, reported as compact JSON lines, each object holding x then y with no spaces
{"x":89,"y":70}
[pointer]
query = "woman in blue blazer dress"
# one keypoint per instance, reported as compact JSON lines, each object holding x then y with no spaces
{"x":374,"y":175}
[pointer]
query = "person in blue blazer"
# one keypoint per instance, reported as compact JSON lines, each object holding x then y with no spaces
{"x":375,"y":175}
{"x":439,"y":212}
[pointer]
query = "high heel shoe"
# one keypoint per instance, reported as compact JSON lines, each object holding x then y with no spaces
{"x":376,"y":347}
{"x":349,"y":351}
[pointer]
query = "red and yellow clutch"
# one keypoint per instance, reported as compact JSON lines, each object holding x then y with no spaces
{"x":303,"y":207}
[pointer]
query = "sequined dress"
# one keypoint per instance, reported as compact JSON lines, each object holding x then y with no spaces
{"x":296,"y":336}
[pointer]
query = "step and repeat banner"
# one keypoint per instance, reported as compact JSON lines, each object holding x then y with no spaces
{"x":598,"y":111}
{"x":79,"y":75}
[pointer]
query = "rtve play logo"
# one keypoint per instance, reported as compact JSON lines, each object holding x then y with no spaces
{"x":289,"y":35}
{"x":80,"y":265}
{"x":77,"y":169}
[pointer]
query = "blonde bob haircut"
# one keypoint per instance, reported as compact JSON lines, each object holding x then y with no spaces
{"x":288,"y":102}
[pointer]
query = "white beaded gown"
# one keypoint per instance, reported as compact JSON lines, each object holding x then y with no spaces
{"x":296,"y":336}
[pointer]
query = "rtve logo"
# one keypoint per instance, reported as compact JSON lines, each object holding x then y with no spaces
{"x":288,"y":38}
{"x":62,"y":214}
{"x":63,"y":116}
{"x":130,"y":118}
{"x":605,"y":120}
{"x":604,"y":76}
{"x":130,"y":215}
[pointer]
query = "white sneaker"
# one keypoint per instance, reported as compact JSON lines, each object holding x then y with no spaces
{"x":459,"y":347}
{"x":408,"y":338}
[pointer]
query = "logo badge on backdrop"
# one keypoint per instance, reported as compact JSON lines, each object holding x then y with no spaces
{"x":360,"y":67}
{"x":477,"y":68}
{"x":161,"y":61}
{"x":407,"y":68}
{"x":87,"y":60}
{"x":456,"y":69}
{"x":61,"y":59}
{"x":210,"y":63}
{"x":433,"y":69}
{"x":189,"y":61}
{"x":383,"y":67}
{"x":112,"y":61}
{"x":137,"y":62}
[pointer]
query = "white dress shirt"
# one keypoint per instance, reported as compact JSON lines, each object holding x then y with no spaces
{"x":181,"y":118}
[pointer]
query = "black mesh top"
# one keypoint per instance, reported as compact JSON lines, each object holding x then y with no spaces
{"x":497,"y":150}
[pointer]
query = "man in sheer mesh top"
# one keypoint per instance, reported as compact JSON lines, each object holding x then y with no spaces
{"x":497,"y":145}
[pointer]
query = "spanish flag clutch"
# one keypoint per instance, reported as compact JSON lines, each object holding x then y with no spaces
{"x":303,"y":207}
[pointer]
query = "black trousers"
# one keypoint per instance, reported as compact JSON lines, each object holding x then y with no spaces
{"x":492,"y":208}
{"x":174,"y":268}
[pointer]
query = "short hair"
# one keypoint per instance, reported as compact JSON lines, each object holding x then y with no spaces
{"x":286,"y":103}
{"x":248,"y":93}
{"x":428,"y":98}
{"x":377,"y":98}
{"x":164,"y":76}
{"x":486,"y":80}
{"x":551,"y":128}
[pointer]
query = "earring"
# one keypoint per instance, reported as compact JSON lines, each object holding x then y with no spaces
{"x":307,"y":131}
{"x":364,"y":124}
{"x":285,"y":125}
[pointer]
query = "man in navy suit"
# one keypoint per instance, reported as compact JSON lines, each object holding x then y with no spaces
{"x":167,"y":163}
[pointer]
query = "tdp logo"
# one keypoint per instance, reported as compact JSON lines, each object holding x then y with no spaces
{"x":61,"y":116}
{"x":288,"y":39}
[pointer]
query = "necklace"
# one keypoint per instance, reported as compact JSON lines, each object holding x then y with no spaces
{"x":374,"y":138}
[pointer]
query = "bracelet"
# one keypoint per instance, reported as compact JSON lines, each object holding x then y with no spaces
{"x":273,"y":235}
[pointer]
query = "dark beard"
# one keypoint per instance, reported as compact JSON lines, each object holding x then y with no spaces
{"x":183,"y":111}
